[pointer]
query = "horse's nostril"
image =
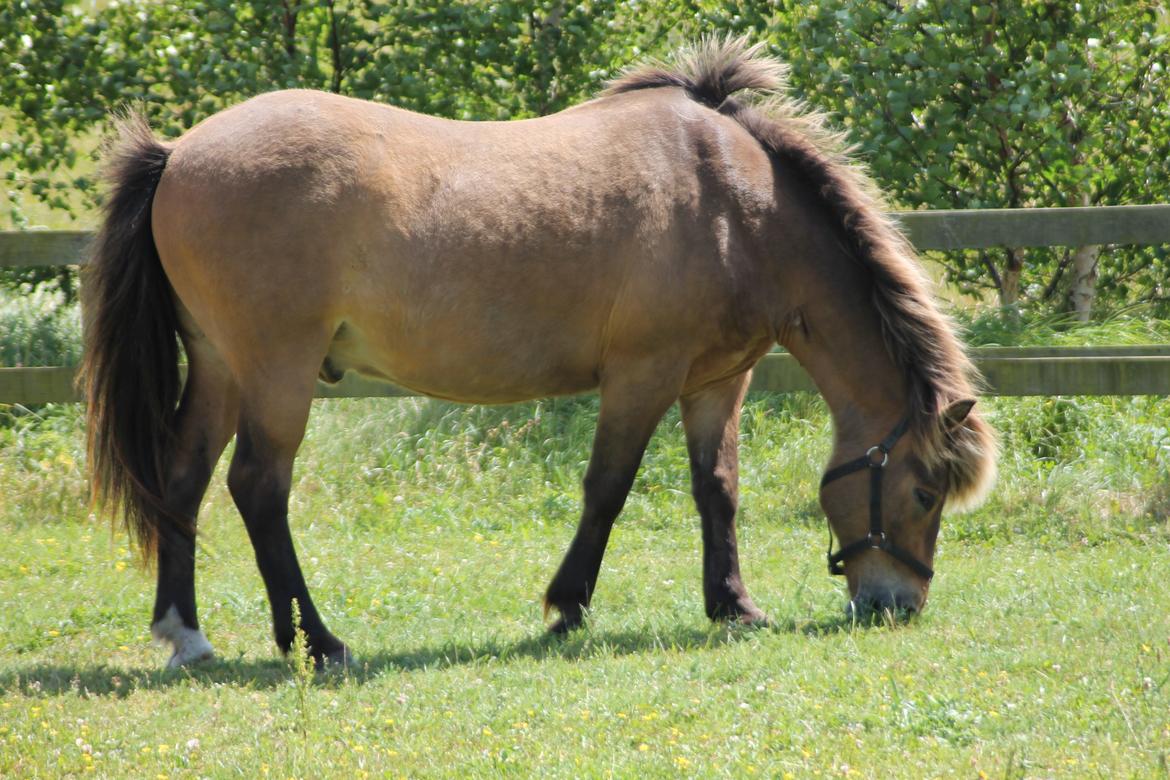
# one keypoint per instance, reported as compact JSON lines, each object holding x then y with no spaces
{"x":896,"y":606}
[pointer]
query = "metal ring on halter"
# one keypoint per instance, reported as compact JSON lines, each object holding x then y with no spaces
{"x":877,"y":540}
{"x":873,"y":463}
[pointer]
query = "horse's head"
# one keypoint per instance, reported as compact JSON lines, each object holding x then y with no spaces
{"x":884,"y":501}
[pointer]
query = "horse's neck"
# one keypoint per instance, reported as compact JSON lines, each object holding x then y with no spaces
{"x":845,"y":354}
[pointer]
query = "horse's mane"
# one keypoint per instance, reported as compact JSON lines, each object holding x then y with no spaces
{"x":919,"y":337}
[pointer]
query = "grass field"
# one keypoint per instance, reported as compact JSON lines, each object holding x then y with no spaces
{"x":429,"y":531}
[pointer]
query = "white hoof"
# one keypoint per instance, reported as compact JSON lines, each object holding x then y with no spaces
{"x":190,"y":645}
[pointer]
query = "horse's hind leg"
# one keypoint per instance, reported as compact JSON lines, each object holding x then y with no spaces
{"x":711,"y":421}
{"x":274,"y":409}
{"x":632,"y":403}
{"x":206,"y":419}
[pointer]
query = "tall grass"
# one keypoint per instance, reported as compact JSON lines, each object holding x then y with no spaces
{"x":991,"y":327}
{"x":37,"y":328}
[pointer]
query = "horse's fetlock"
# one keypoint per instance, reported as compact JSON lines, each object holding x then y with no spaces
{"x":188,"y":643}
{"x":570,"y":604}
{"x":728,"y":599}
{"x":572,"y":616}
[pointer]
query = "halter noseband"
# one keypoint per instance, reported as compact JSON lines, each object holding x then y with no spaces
{"x":874,"y":459}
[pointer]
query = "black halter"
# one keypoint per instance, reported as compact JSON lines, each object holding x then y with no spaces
{"x":874,"y":459}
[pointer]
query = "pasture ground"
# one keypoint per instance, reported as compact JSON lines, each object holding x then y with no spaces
{"x":429,"y":531}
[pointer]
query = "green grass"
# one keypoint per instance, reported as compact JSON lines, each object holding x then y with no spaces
{"x":429,"y":531}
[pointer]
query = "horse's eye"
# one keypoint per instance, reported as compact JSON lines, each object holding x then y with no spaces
{"x":924,"y":499}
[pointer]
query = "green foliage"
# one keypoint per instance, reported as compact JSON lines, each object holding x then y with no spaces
{"x":37,"y":328}
{"x":182,"y":60}
{"x":1003,"y":104}
{"x":1008,"y":104}
{"x":1135,"y":326}
{"x":500,"y":60}
{"x":42,"y":458}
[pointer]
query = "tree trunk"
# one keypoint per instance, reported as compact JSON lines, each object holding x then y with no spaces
{"x":290,"y":30}
{"x":544,"y":38}
{"x":334,"y":49}
{"x":1084,"y":284}
{"x":1084,"y":277}
{"x":1009,"y":291}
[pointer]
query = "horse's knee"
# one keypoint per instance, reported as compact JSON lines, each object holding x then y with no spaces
{"x":185,"y":486}
{"x":255,"y":482}
{"x":242,"y":478}
{"x":714,"y":493}
{"x":605,"y":493}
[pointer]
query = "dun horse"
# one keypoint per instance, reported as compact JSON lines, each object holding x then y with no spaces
{"x":652,"y":243}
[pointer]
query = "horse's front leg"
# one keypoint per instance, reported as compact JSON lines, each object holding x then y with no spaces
{"x":711,"y":420}
{"x":632,"y":403}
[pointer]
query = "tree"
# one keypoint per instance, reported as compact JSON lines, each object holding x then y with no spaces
{"x":182,"y":60}
{"x":1006,"y":103}
{"x":500,"y":60}
{"x":1002,"y":103}
{"x":179,"y":61}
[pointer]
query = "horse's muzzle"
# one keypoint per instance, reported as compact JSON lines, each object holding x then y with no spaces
{"x":898,"y":606}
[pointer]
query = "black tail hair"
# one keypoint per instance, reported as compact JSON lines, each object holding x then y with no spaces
{"x":130,"y":373}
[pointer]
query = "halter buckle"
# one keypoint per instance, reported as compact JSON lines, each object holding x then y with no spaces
{"x":877,"y":464}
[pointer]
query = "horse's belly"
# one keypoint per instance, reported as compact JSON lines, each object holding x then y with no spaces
{"x":461,"y":370}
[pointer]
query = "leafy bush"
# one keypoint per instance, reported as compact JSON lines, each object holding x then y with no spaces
{"x":38,"y":327}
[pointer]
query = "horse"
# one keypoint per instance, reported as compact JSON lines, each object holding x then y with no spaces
{"x":650,"y":244}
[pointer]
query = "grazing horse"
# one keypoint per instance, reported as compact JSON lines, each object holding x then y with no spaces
{"x":652,"y":244}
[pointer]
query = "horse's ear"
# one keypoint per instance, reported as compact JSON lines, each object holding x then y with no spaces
{"x":954,"y":415}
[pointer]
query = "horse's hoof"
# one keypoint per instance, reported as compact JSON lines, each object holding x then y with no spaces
{"x":754,"y":619}
{"x":191,"y":657}
{"x":341,"y":658}
{"x":570,"y":620}
{"x":741,"y":612}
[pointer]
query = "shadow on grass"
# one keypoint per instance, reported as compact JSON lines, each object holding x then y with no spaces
{"x":262,"y":674}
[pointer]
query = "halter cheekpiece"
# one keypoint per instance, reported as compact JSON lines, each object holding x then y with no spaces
{"x":875,"y":460}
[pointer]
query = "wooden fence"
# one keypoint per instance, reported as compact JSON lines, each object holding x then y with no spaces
{"x":1129,"y":370}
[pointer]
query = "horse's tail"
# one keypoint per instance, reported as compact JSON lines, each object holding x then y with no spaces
{"x":130,"y":372}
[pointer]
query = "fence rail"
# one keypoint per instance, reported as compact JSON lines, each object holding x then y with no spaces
{"x":1015,"y":371}
{"x":927,"y":230}
{"x":1014,"y":228}
{"x":1008,"y":371}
